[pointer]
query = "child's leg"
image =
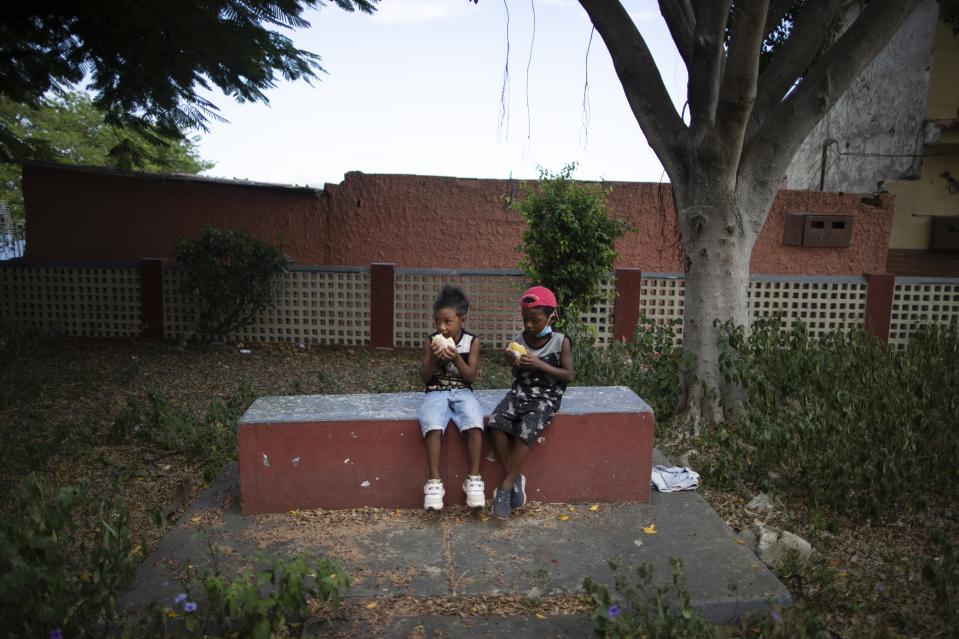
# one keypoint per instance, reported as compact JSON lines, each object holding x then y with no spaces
{"x":501,"y":446}
{"x":433,"y":441}
{"x":518,"y":453}
{"x":468,"y":417}
{"x":434,"y":414}
{"x":504,"y":415}
{"x":474,"y":449}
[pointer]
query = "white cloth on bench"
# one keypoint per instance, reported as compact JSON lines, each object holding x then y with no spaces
{"x":669,"y":479}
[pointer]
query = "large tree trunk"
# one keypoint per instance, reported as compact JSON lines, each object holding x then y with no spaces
{"x":718,"y":238}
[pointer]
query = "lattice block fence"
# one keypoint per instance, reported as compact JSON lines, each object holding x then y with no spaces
{"x":918,"y":301}
{"x":331,"y":305}
{"x":823,"y":304}
{"x":661,"y":299}
{"x":75,"y":301}
{"x":492,"y":317}
{"x":315,"y":305}
{"x":494,"y":305}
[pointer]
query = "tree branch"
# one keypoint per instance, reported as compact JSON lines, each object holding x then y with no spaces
{"x":777,"y":9}
{"x":738,"y":90}
{"x":793,"y":58}
{"x":678,"y":15}
{"x":707,"y":62}
{"x":790,"y":122}
{"x":647,"y":96}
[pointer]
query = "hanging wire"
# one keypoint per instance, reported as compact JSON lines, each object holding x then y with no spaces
{"x":504,"y":92}
{"x":529,"y":63}
{"x":584,"y":138}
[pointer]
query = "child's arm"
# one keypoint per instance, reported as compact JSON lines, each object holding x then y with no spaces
{"x":562,"y":373}
{"x":467,"y":366}
{"x":428,"y":360}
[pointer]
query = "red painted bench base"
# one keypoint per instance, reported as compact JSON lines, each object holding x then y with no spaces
{"x":318,"y":452}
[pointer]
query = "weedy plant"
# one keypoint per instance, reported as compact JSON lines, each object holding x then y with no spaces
{"x":275,"y":601}
{"x":837,"y":420}
{"x":211,"y":438}
{"x":941,"y":573}
{"x":637,"y":608}
{"x":51,"y":583}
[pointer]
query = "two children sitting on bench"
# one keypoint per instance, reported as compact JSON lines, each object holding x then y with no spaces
{"x":543,"y":366}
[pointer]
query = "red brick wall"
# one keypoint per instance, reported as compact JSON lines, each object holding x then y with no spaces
{"x":923,"y":263}
{"x":82,"y":215}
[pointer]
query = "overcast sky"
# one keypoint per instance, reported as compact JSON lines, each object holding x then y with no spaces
{"x":417,"y":87}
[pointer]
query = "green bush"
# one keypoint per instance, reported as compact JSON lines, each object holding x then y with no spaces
{"x":273,"y":602}
{"x":839,"y":421}
{"x":231,"y":276}
{"x":568,"y":243}
{"x":650,"y":364}
{"x":211,"y":438}
{"x":49,"y":579}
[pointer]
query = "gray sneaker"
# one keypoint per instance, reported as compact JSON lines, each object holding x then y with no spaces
{"x":517,"y":496}
{"x":501,"y":503}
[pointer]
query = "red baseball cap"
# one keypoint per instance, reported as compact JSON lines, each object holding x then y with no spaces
{"x":538,"y":296}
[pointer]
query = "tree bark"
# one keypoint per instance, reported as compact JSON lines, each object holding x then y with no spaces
{"x":718,"y":238}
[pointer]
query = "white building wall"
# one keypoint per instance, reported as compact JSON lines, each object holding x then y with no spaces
{"x":880,"y":119}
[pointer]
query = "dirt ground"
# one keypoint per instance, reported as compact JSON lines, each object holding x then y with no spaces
{"x":59,"y":398}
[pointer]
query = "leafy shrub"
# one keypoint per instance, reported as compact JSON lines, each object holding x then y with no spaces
{"x":837,"y":419}
{"x":568,"y":243}
{"x":650,"y":364}
{"x":273,"y":602}
{"x":231,"y":277}
{"x":211,"y":438}
{"x":49,"y":580}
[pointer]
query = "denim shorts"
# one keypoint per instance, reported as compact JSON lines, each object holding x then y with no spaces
{"x":459,"y":404}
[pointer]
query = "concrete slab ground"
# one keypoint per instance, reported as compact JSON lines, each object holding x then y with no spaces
{"x":545,"y":550}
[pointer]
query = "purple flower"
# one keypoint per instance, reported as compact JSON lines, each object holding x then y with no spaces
{"x":56,"y":633}
{"x":880,"y":587}
{"x":189,"y":606}
{"x":165,"y":584}
{"x":180,"y":598}
{"x":613,"y":611}
{"x":775,"y":615}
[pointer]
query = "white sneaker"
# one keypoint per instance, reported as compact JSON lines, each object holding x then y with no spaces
{"x":475,"y":491}
{"x":433,"y":494}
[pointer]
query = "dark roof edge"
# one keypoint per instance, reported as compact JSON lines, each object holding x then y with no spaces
{"x":171,"y":177}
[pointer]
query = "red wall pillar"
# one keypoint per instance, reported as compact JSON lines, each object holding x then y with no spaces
{"x":629,"y":283}
{"x":879,"y":304}
{"x":151,"y":298}
{"x":382,"y":278}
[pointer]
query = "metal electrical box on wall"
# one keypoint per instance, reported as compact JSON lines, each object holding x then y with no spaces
{"x":944,"y":235}
{"x":824,"y":231}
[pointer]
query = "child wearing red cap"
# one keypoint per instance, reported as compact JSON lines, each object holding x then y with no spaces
{"x":541,"y":375}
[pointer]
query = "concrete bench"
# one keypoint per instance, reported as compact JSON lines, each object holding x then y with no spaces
{"x":348,"y":451}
